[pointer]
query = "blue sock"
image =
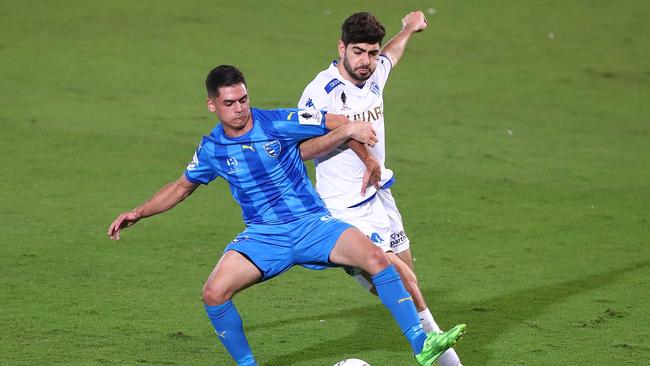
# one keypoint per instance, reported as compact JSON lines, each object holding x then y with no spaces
{"x":394,"y":296}
{"x":230,"y":331}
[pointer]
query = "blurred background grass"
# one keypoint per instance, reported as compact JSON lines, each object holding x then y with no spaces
{"x":518,"y":132}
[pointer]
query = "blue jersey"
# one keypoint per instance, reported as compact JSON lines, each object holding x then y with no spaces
{"x":263,"y":167}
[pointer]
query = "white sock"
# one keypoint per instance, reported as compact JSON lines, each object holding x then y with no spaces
{"x":449,"y":358}
{"x":428,"y":324}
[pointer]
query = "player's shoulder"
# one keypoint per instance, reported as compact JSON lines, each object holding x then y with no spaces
{"x":265,"y":116}
{"x":385,"y":61}
{"x":325,"y":81}
{"x":318,"y":91}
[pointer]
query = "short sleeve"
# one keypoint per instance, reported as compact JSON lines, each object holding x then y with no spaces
{"x":200,"y":170}
{"x":384,"y":66}
{"x":314,"y":97}
{"x":298,"y":124}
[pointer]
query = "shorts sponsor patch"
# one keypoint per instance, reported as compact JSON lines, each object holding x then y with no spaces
{"x":397,"y":238}
{"x":239,"y":239}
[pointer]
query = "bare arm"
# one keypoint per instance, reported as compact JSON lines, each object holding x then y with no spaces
{"x":166,"y":198}
{"x":414,"y":22}
{"x":341,"y":130}
{"x":339,"y":125}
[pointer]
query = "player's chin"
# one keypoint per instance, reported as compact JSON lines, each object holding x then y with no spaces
{"x":362,"y":75}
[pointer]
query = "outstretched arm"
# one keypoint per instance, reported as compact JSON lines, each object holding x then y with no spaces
{"x":413,"y":22}
{"x":166,"y":198}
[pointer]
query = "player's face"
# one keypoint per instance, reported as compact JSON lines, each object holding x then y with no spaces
{"x":359,"y":60}
{"x":232,"y":109}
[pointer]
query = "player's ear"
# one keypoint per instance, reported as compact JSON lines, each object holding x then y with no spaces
{"x":341,"y":48}
{"x":211,"y":105}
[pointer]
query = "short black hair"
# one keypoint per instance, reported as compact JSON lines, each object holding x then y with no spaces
{"x":362,"y":28}
{"x":223,"y":75}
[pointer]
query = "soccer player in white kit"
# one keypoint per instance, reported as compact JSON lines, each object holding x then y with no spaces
{"x":353,"y":181}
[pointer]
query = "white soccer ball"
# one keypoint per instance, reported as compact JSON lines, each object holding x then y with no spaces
{"x":352,"y":362}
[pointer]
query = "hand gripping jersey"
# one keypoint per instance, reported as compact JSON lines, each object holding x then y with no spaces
{"x":263,"y":167}
{"x":339,"y":174}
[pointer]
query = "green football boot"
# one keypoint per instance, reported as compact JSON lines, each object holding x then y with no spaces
{"x":437,"y":343}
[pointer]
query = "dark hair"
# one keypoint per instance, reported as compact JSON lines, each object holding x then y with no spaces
{"x":223,"y":75}
{"x":362,"y":28}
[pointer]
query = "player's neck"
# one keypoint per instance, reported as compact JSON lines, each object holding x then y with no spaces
{"x":234,"y":132}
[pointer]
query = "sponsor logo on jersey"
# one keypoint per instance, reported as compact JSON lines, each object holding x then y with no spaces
{"x":273,"y":148}
{"x":247,"y":147}
{"x":376,"y":238}
{"x":332,"y":84}
{"x":369,"y":115}
{"x":312,"y":118}
{"x":290,"y":115}
{"x":310,"y":103}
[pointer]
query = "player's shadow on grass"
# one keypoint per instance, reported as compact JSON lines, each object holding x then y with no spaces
{"x":487,"y":319}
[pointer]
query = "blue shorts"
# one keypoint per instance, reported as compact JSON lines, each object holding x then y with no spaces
{"x":274,"y":249}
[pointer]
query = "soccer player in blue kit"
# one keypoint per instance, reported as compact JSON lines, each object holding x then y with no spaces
{"x":256,"y":152}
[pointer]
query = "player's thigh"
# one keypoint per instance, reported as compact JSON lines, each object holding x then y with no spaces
{"x":233,"y":273}
{"x":399,"y":241}
{"x":355,"y":249}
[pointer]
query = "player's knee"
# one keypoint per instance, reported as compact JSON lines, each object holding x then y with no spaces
{"x":215,"y":295}
{"x":376,"y":260}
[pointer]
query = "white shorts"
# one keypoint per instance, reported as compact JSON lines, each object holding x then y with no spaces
{"x":378,"y":219}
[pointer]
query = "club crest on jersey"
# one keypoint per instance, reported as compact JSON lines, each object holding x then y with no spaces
{"x":312,"y":118}
{"x":273,"y":148}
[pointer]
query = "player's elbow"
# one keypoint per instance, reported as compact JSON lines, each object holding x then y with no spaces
{"x":307,"y":152}
{"x":307,"y":155}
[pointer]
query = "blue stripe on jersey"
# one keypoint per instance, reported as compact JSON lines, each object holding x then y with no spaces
{"x":270,"y":191}
{"x":298,"y":174}
{"x":247,"y":203}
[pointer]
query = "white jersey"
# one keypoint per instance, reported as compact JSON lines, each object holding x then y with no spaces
{"x":339,"y":175}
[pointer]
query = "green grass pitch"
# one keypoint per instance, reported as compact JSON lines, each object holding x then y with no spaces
{"x":519,"y":132}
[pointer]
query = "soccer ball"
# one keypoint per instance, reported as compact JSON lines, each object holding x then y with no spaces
{"x":352,"y":362}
